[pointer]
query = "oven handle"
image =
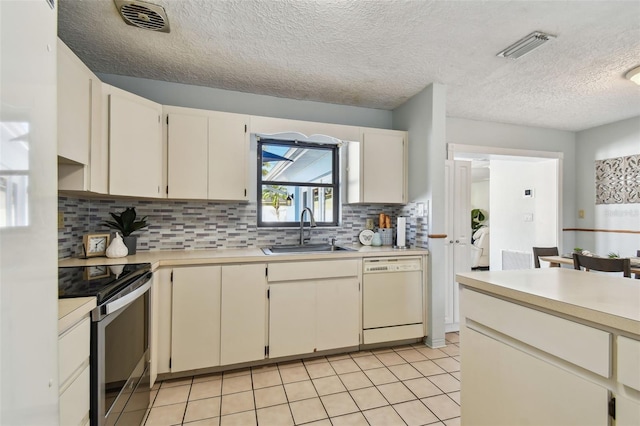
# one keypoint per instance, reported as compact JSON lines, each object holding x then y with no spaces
{"x":125,"y":300}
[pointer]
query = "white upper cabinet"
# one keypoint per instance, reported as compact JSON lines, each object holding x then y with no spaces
{"x":377,"y":167}
{"x":208,"y":154}
{"x":135,"y":145}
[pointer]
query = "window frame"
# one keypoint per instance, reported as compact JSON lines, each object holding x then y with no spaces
{"x":334,"y":185}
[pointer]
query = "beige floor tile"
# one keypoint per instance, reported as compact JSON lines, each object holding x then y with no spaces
{"x":307,"y":410}
{"x":202,"y":409}
{"x":453,"y":422}
{"x":455,"y":396}
{"x":323,"y":422}
{"x":396,"y":392}
{"x":344,"y":366}
{"x":264,"y":368}
{"x":237,"y":372}
{"x":166,"y":415}
{"x":446,"y":382}
{"x":321,"y":369}
{"x":404,"y":371}
{"x":360,"y":354}
{"x":214,"y":421}
{"x":206,"y":389}
{"x":431,"y":353}
{"x":384,"y":416}
{"x":172,"y":395}
{"x":236,"y":384}
{"x":176,"y":382}
{"x":457,"y":358}
{"x":315,"y":360}
{"x":266,"y":397}
{"x":368,"y":362}
{"x":451,"y":350}
{"x":448,"y":364}
{"x":156,"y":386}
{"x":368,"y":398}
{"x":278,"y":415}
{"x":152,"y":395}
{"x":411,"y":355}
{"x":266,"y":379}
{"x":456,"y":374}
{"x":442,"y":406}
{"x":300,"y":390}
{"x":381,"y":351}
{"x":207,"y":377}
{"x":338,"y":357}
{"x":415,"y":413}
{"x":452,"y":337}
{"x":328,"y":385}
{"x":357,"y":380}
{"x":390,"y":358}
{"x":422,"y":388}
{"x":353,"y":419}
{"x":289,"y":364}
{"x":380,"y":376}
{"x":246,"y":418}
{"x":338,"y":404}
{"x":427,"y":368}
{"x":237,"y":402}
{"x":293,"y":374}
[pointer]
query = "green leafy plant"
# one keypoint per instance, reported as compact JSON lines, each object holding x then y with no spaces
{"x":577,"y":250}
{"x":478,"y":217}
{"x":126,"y":222}
{"x":613,"y":255}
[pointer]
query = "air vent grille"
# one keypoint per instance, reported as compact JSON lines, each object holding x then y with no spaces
{"x":143,"y":15}
{"x":526,"y":45}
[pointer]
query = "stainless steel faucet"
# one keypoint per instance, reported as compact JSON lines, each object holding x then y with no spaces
{"x":312,"y":224}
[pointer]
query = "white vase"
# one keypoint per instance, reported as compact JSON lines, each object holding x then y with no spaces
{"x":117,"y":248}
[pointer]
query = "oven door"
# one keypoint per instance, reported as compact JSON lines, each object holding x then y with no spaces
{"x":120,"y":361}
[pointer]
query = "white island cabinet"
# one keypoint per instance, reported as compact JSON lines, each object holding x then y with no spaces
{"x":537,"y":348}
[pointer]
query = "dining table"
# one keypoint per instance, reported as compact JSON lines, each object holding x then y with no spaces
{"x":556,"y":261}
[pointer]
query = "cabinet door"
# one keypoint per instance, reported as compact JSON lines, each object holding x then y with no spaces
{"x":228,"y":156}
{"x":187,"y":137}
{"x":195,"y":325}
{"x":383,"y":167}
{"x":135,"y":145}
{"x":243,"y":322}
{"x":500,"y":383}
{"x":338,"y":313}
{"x":74,"y":106}
{"x":292,"y":318}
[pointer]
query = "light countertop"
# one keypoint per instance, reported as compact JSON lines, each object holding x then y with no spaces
{"x":589,"y":296}
{"x":248,"y":255}
{"x":70,"y":311}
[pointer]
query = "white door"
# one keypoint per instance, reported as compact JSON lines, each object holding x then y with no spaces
{"x":458,"y":228}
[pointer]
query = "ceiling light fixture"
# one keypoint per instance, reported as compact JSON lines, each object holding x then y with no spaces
{"x":526,"y":45}
{"x":634,"y":75}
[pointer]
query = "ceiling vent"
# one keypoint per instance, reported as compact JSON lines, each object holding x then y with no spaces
{"x":526,"y":45}
{"x":143,"y":15}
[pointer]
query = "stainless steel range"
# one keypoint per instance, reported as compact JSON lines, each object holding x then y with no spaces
{"x":120,"y":393}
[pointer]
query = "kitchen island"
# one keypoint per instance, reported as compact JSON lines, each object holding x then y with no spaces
{"x":549,"y":346}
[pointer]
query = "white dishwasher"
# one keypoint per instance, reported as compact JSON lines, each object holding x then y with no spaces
{"x":392,"y":299}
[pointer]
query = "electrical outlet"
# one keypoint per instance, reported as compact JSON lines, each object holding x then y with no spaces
{"x":60,"y":220}
{"x":581,"y":214}
{"x":420,"y":209}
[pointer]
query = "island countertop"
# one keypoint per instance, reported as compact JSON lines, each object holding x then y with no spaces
{"x":593,"y":297}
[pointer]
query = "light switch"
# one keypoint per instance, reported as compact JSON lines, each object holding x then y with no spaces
{"x":581,"y":214}
{"x":528,"y":217}
{"x":420,"y":209}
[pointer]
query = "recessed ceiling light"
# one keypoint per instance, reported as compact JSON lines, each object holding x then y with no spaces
{"x":634,"y":75}
{"x":526,"y":45}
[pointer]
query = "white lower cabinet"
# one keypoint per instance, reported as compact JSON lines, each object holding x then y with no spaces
{"x":309,"y":314}
{"x":195,"y":318}
{"x":73,"y":373}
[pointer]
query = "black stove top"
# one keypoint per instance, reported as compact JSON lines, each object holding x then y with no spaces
{"x":101,"y":281}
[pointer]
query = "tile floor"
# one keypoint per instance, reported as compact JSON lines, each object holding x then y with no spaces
{"x":404,"y":385}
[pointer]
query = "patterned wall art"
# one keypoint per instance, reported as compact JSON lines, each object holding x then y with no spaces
{"x":618,"y":180}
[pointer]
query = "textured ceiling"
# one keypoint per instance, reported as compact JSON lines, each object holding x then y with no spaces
{"x":379,"y":53}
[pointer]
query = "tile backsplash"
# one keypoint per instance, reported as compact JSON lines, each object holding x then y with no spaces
{"x":193,"y":225}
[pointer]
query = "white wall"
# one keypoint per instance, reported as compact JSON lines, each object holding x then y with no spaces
{"x":189,"y":96}
{"x":29,"y":254}
{"x":480,"y":133}
{"x":480,"y":197}
{"x":508,"y":206}
{"x":599,"y":143}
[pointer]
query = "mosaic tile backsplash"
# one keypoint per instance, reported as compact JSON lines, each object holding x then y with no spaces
{"x":195,"y":225}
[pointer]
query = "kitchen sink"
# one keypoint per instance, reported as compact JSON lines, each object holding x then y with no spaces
{"x":306,"y":248}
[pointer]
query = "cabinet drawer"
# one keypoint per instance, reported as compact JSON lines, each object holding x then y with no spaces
{"x":629,"y":362}
{"x":73,"y":349}
{"x":74,"y":402}
{"x":579,"y":344}
{"x":312,"y":270}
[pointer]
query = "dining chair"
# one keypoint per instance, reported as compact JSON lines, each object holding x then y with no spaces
{"x":638,"y":255}
{"x":602,"y":264}
{"x":543,"y":251}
